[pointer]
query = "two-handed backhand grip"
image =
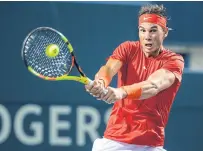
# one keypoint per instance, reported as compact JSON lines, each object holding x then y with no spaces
{"x":105,"y":91}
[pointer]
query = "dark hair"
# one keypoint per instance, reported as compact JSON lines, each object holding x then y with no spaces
{"x":153,"y":9}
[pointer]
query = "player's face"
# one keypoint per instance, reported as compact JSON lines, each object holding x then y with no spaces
{"x":151,"y":37}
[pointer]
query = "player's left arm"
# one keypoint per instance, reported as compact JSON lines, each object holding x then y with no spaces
{"x":156,"y":82}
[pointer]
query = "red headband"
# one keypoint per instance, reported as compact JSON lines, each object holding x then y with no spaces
{"x":153,"y":18}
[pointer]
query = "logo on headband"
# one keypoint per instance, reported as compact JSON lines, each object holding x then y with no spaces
{"x":146,"y":18}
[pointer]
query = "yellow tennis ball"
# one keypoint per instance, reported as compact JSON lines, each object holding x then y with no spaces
{"x":52,"y":50}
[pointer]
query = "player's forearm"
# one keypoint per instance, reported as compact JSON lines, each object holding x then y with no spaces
{"x":149,"y":89}
{"x":158,"y":81}
{"x":107,"y":71}
{"x":105,"y":74}
{"x":142,"y":90}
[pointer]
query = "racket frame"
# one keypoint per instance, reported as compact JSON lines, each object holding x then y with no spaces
{"x":82,"y":78}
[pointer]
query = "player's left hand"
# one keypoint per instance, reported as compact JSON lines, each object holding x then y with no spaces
{"x":113,"y":95}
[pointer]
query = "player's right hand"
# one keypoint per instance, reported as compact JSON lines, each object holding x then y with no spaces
{"x":96,"y":89}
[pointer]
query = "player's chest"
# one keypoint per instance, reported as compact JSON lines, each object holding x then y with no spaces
{"x":142,"y":68}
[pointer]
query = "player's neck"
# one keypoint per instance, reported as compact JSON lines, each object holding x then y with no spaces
{"x":155,"y":53}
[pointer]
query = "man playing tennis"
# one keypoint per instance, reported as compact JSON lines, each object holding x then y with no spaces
{"x":149,"y":77}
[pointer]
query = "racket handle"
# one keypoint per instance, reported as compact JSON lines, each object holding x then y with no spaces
{"x":105,"y":91}
{"x":90,"y":82}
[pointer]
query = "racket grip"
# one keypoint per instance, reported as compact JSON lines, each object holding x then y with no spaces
{"x":90,"y":82}
{"x":105,"y":91}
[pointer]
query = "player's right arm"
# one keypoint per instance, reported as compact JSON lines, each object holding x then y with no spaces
{"x":104,"y":76}
{"x":107,"y":71}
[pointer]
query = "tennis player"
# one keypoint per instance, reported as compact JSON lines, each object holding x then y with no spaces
{"x":149,"y":76}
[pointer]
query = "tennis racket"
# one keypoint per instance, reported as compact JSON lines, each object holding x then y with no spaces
{"x":49,"y":55}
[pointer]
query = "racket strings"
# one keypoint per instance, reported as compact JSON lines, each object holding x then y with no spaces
{"x":35,"y":56}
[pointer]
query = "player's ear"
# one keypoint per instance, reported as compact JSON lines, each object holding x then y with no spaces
{"x":166,"y":33}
